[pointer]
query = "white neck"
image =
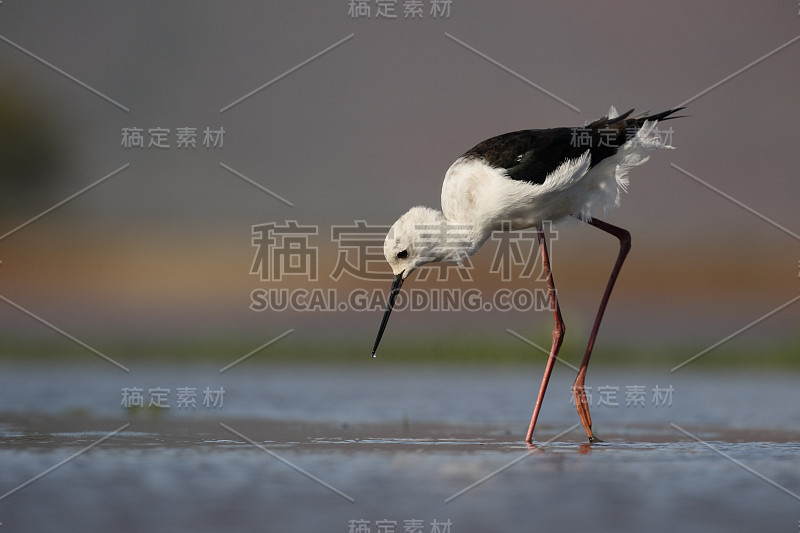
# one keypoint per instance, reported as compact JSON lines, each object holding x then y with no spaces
{"x":455,"y":241}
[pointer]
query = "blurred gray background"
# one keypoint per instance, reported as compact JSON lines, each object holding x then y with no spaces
{"x":364,"y":131}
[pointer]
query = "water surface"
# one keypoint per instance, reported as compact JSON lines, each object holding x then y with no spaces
{"x":334,"y":449}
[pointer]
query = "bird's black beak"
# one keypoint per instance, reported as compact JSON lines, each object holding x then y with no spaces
{"x":395,"y":290}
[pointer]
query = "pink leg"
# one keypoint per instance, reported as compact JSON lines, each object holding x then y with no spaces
{"x":578,"y":387}
{"x":558,"y":332}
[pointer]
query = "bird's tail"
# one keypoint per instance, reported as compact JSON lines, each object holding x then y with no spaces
{"x":614,"y":130}
{"x":664,"y":115}
{"x":625,"y":120}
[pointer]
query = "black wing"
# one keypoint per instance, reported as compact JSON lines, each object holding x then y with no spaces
{"x":531,"y":155}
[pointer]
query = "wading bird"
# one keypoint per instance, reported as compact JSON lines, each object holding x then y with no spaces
{"x":520,"y":180}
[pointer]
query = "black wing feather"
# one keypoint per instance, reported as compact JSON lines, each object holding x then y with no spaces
{"x":531,"y":155}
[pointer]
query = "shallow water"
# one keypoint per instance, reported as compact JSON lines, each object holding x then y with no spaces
{"x":383,"y":448}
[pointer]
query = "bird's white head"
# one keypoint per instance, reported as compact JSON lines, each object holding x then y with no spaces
{"x":414,"y":240}
{"x":421,"y":236}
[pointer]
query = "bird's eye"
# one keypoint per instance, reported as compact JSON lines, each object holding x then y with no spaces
{"x":402,"y":254}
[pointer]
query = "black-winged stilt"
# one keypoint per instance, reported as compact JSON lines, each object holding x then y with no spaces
{"x":522,"y":179}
